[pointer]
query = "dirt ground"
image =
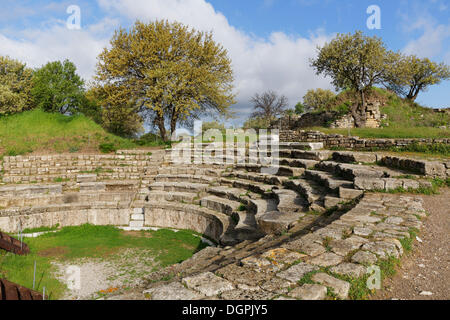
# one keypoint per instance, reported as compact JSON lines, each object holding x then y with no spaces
{"x":424,"y":273}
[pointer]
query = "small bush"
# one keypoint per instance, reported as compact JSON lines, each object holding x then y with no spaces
{"x":107,"y":147}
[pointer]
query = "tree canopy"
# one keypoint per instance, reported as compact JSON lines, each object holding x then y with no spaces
{"x":354,"y":61}
{"x":15,"y":86}
{"x":409,"y":75}
{"x":317,"y":99}
{"x":58,"y":88}
{"x":166,"y":72}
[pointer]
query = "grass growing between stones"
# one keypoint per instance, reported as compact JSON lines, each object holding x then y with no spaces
{"x":98,"y":242}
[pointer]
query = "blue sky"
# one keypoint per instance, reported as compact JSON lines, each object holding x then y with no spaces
{"x":269,"y":41}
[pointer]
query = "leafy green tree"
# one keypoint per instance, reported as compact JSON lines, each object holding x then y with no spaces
{"x":300,"y":108}
{"x":318,"y":99}
{"x":15,"y":86}
{"x":58,"y":88}
{"x":256,"y":123}
{"x":354,"y":61}
{"x":409,"y":75}
{"x":168,"y":72}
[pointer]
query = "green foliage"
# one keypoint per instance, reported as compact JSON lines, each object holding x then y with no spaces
{"x":318,"y":100}
{"x":36,"y":130}
{"x":150,"y":140}
{"x":256,"y":123}
{"x":213,"y":125}
{"x":58,"y":88}
{"x":15,"y":86}
{"x":167,"y":72}
{"x":300,"y":108}
{"x":107,"y":147}
{"x":409,"y":75}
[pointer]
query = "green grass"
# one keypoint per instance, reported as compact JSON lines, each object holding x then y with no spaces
{"x":37,"y":130}
{"x":88,"y":241}
{"x":405,"y":119}
{"x":397,"y":132}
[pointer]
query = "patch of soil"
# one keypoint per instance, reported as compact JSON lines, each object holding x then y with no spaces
{"x":424,"y":274}
{"x":137,"y":234}
{"x":100,"y":277}
{"x":53,"y":252}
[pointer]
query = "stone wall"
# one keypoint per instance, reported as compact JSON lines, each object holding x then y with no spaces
{"x":336,"y":140}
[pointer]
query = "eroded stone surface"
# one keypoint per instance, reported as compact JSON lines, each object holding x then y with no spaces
{"x":309,"y":292}
{"x":296,"y":272}
{"x":208,"y":284}
{"x":340,"y":287}
{"x":172,"y":291}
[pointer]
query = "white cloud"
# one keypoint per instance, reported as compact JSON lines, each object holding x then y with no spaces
{"x":280,"y":62}
{"x":37,"y":47}
{"x":430,"y":43}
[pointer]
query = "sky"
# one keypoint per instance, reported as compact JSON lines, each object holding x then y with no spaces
{"x":270,"y":42}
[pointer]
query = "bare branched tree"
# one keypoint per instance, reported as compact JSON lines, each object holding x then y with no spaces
{"x":268,"y":105}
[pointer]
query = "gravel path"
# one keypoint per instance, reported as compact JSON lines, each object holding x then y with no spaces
{"x":100,"y":277}
{"x":425,"y":274}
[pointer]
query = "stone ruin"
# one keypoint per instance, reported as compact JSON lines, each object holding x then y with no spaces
{"x":331,"y":119}
{"x":317,"y":210}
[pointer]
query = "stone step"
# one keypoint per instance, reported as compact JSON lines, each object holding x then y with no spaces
{"x":355,"y":157}
{"x":274,"y":170}
{"x":263,"y":189}
{"x":290,"y":201}
{"x":312,"y":192}
{"x":226,"y":206}
{"x":71,"y":197}
{"x":186,"y":197}
{"x":328,"y":180}
{"x":185,"y":178}
{"x":259,"y":178}
{"x":25,"y":190}
{"x":179,"y":187}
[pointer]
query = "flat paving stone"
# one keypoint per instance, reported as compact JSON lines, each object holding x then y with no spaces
{"x":340,"y":287}
{"x":296,"y":272}
{"x":241,"y":294}
{"x":326,"y":259}
{"x":208,"y":284}
{"x":243,"y":275}
{"x":309,"y":292}
{"x":172,"y":291}
{"x":364,"y":257}
{"x":349,"y":269}
{"x":277,"y":285}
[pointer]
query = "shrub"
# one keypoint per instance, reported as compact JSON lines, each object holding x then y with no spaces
{"x":107,"y":147}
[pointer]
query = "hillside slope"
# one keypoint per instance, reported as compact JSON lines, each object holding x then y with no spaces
{"x":37,"y":131}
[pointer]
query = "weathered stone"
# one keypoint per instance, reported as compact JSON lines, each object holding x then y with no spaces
{"x":243,"y":275}
{"x":242,"y":294}
{"x":309,"y":292}
{"x":277,"y":285}
{"x":361,"y":231}
{"x":349,"y":269}
{"x":297,"y":272}
{"x":382,"y":249}
{"x":172,"y":291}
{"x":326,"y":259}
{"x":260,"y":264}
{"x":282,"y":256}
{"x":369,"y":184}
{"x":364,"y":257}
{"x":208,"y":284}
{"x":340,"y":287}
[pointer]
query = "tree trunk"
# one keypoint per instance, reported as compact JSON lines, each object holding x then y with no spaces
{"x":162,"y":128}
{"x":359,"y":112}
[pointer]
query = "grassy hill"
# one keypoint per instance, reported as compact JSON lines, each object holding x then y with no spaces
{"x":41,"y":132}
{"x":405,"y":119}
